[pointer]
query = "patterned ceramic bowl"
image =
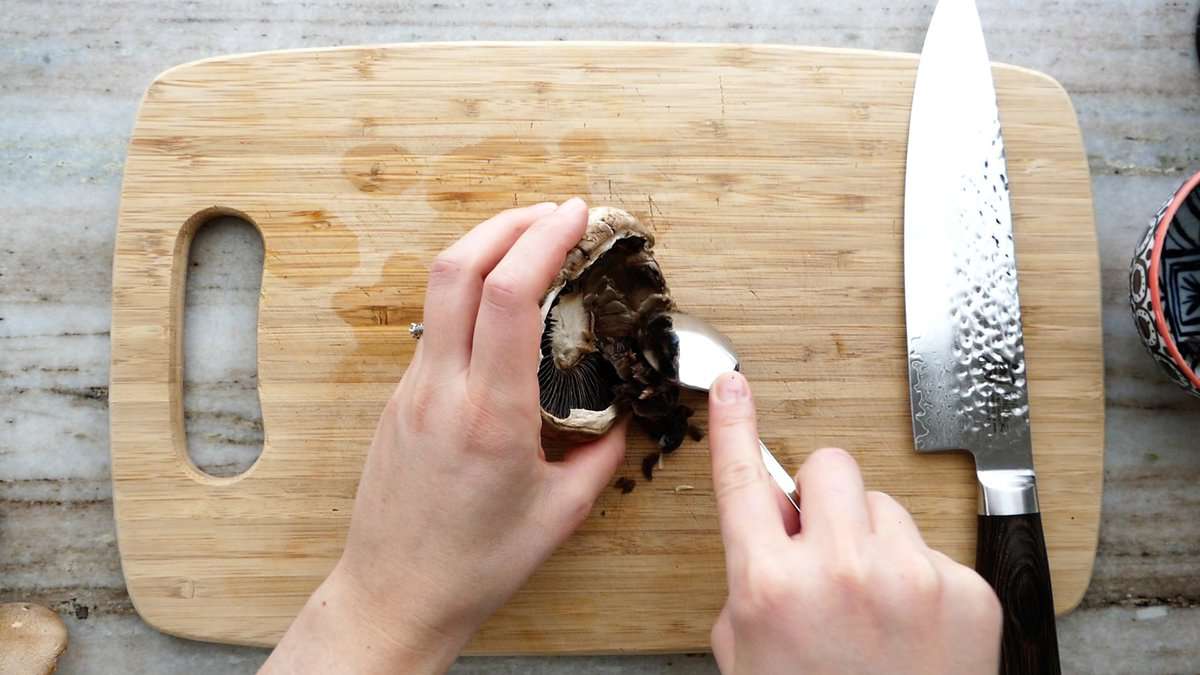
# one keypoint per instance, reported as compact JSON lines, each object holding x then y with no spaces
{"x":1164,"y":286}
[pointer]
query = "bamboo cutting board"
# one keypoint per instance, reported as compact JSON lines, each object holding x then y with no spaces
{"x":774,"y":179}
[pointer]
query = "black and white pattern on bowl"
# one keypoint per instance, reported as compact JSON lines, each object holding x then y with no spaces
{"x":1178,"y":284}
{"x":1139,"y":287}
{"x":1179,"y":278}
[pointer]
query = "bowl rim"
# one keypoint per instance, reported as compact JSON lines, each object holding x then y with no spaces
{"x":1160,"y":321}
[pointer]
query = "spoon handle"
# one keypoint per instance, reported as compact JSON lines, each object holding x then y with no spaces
{"x":780,"y":475}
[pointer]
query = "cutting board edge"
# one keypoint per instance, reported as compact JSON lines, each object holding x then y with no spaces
{"x":1098,"y":370}
{"x":1080,"y":592}
{"x":549,"y":44}
{"x":583,"y":44}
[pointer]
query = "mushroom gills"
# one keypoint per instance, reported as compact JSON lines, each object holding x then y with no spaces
{"x":572,"y":374}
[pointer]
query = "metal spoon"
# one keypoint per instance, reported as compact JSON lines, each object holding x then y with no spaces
{"x":704,"y":354}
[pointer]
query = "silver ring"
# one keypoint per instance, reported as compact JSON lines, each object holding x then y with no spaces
{"x":416,"y":330}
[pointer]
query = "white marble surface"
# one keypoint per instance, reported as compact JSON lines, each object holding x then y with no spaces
{"x":71,"y":75}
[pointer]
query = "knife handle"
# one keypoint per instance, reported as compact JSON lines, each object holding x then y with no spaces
{"x":1011,"y":556}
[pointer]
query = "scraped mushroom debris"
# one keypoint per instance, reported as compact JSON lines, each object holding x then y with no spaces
{"x":605,"y":310}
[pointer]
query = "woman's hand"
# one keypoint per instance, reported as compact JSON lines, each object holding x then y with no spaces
{"x":856,"y":591}
{"x":457,"y":505}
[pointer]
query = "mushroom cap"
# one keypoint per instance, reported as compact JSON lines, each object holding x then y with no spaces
{"x":31,"y":638}
{"x":606,"y":227}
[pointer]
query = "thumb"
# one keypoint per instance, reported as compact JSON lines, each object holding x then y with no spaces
{"x":722,"y":641}
{"x":587,"y":468}
{"x":745,"y":502}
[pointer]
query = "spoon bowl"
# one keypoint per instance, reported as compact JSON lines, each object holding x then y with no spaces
{"x":705,"y":353}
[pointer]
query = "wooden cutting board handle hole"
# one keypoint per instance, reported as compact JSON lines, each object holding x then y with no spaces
{"x":215,"y":342}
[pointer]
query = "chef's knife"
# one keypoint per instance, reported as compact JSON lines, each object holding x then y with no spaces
{"x":966,"y":354}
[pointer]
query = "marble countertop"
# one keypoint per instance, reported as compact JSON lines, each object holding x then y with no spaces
{"x":71,"y":76}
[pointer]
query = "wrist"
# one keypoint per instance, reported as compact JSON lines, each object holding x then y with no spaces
{"x":404,"y":629}
{"x":342,"y":628}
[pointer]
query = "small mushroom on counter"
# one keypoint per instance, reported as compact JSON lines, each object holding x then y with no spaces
{"x":31,"y":639}
{"x":605,"y":310}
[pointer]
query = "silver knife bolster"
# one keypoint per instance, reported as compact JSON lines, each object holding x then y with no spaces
{"x":1007,"y":492}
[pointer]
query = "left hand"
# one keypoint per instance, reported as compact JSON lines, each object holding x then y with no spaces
{"x":457,"y":505}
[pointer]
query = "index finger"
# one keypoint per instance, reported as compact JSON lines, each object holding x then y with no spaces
{"x":750,"y":518}
{"x":456,"y":280}
{"x":505,"y":350}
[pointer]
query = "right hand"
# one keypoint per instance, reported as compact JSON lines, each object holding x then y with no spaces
{"x":855,"y":591}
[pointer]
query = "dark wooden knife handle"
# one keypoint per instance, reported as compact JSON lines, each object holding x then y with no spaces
{"x":1011,"y":556}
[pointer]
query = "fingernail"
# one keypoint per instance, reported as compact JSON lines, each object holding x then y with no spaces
{"x":732,"y":387}
{"x":572,"y":204}
{"x":545,"y":207}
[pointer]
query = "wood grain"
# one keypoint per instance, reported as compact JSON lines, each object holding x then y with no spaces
{"x":1011,"y":556}
{"x":773,"y":176}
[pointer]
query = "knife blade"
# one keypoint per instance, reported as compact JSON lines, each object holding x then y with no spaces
{"x":968,"y":386}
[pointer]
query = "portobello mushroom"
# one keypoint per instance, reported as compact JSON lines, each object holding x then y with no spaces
{"x":604,"y":311}
{"x":32,"y":638}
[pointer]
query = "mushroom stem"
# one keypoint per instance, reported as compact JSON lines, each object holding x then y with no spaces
{"x":570,"y":331}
